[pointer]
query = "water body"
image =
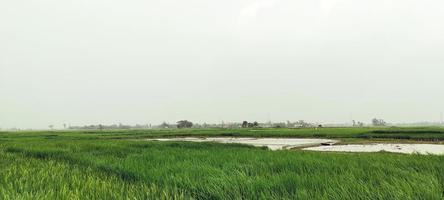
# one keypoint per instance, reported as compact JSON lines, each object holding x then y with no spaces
{"x":271,"y":143}
{"x":423,"y":149}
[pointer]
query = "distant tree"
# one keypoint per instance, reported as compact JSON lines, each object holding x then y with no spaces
{"x":184,"y":124}
{"x":244,"y":124}
{"x":378,"y":122}
{"x":375,"y":122}
{"x":164,"y":125}
{"x":255,"y":124}
{"x":51,"y":127}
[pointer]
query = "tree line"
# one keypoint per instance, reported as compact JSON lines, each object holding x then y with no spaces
{"x":245,"y":124}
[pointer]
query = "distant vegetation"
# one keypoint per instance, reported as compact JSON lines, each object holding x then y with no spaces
{"x":378,"y":122}
{"x":245,"y":124}
{"x":184,"y":124}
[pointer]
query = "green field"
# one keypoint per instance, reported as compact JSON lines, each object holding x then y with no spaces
{"x":116,"y":164}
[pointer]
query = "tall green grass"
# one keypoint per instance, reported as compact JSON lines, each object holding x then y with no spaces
{"x":24,"y":177}
{"x":75,"y":166}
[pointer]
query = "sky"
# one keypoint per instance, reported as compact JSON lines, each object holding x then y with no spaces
{"x":143,"y":61}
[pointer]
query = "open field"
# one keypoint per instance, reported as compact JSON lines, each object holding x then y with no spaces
{"x":416,"y":133}
{"x":115,"y":164}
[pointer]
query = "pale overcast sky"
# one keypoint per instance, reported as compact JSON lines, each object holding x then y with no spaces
{"x":144,"y":61}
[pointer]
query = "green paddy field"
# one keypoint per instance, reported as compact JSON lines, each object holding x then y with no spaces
{"x":119,"y":164}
